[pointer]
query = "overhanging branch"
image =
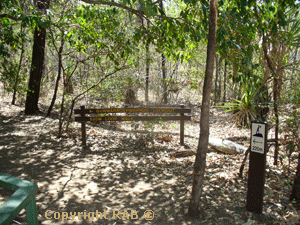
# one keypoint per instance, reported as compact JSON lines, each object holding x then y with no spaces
{"x":269,"y":62}
{"x":10,"y":17}
{"x":134,"y":11}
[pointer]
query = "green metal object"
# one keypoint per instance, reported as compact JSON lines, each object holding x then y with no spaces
{"x":23,"y":197}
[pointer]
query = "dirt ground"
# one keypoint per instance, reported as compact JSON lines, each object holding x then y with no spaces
{"x":126,"y":173}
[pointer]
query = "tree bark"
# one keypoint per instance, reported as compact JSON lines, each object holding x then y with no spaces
{"x":58,"y":76}
{"x":217,"y":81}
{"x":163,"y":69}
{"x":295,"y":194}
{"x":200,"y":162}
{"x":275,"y":95}
{"x":225,"y":80}
{"x":147,"y":73}
{"x":294,"y":65}
{"x":164,"y":77}
{"x":147,"y":70}
{"x":37,"y":65}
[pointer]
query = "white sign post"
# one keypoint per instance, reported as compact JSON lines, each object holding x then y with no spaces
{"x":257,"y":138}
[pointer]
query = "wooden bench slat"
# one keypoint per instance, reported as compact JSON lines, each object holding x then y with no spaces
{"x":128,"y":117}
{"x":131,"y":118}
{"x":132,"y":110}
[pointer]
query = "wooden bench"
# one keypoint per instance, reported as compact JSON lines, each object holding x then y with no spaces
{"x":172,"y":110}
{"x":23,"y":197}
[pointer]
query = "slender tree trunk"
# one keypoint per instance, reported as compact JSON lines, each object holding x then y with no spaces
{"x":58,"y":75}
{"x":147,"y":70}
{"x":275,"y":96}
{"x":69,"y":85}
{"x":220,"y":79}
{"x":38,"y":56}
{"x":62,"y":108}
{"x":235,"y":95}
{"x":295,"y":194}
{"x":13,"y":102}
{"x":225,"y":80}
{"x":217,"y":81}
{"x":163,"y":69}
{"x":164,"y":77}
{"x":294,"y":65}
{"x":147,"y":73}
{"x":200,"y":162}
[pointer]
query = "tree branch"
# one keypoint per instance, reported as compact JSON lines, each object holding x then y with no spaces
{"x":269,"y":62}
{"x":10,"y":17}
{"x":134,"y":11}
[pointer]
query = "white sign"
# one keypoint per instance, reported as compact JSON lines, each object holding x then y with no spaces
{"x":257,"y":137}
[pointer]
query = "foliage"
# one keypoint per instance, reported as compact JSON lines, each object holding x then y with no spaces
{"x":293,"y":94}
{"x":248,"y":106}
{"x":9,"y":38}
{"x":291,"y":135}
{"x":291,"y":91}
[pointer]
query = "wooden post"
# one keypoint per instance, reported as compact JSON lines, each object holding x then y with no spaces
{"x":257,"y":166}
{"x":83,"y":129}
{"x":182,"y":127}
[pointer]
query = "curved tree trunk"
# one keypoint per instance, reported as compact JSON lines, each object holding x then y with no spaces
{"x":200,"y":162}
{"x":58,"y":76}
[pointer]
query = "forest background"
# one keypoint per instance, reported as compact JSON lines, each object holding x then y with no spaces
{"x":105,"y":54}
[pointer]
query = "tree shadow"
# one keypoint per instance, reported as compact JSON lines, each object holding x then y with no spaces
{"x":122,"y":174}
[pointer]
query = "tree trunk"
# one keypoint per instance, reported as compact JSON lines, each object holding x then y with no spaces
{"x":200,"y":162}
{"x":147,"y":74}
{"x":163,"y":69}
{"x":62,"y":107}
{"x":164,"y":77}
{"x":37,"y":65}
{"x":225,"y":80}
{"x":58,"y":76}
{"x":295,"y":194}
{"x":217,"y":81}
{"x":294,"y":65}
{"x":275,"y":96}
{"x":147,"y":70}
{"x":68,"y":85}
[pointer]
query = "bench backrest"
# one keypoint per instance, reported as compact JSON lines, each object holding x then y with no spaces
{"x":131,"y":117}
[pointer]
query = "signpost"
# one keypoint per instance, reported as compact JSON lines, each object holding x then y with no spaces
{"x":257,"y":166}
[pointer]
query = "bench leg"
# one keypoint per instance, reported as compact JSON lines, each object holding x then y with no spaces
{"x":31,"y":213}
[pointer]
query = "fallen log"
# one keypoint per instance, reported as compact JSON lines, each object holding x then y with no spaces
{"x":226,"y":146}
{"x":184,"y":153}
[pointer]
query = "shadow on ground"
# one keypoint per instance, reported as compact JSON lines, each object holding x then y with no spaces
{"x":117,"y":177}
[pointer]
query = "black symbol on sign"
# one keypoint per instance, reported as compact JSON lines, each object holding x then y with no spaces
{"x":258,"y":134}
{"x":255,"y":141}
